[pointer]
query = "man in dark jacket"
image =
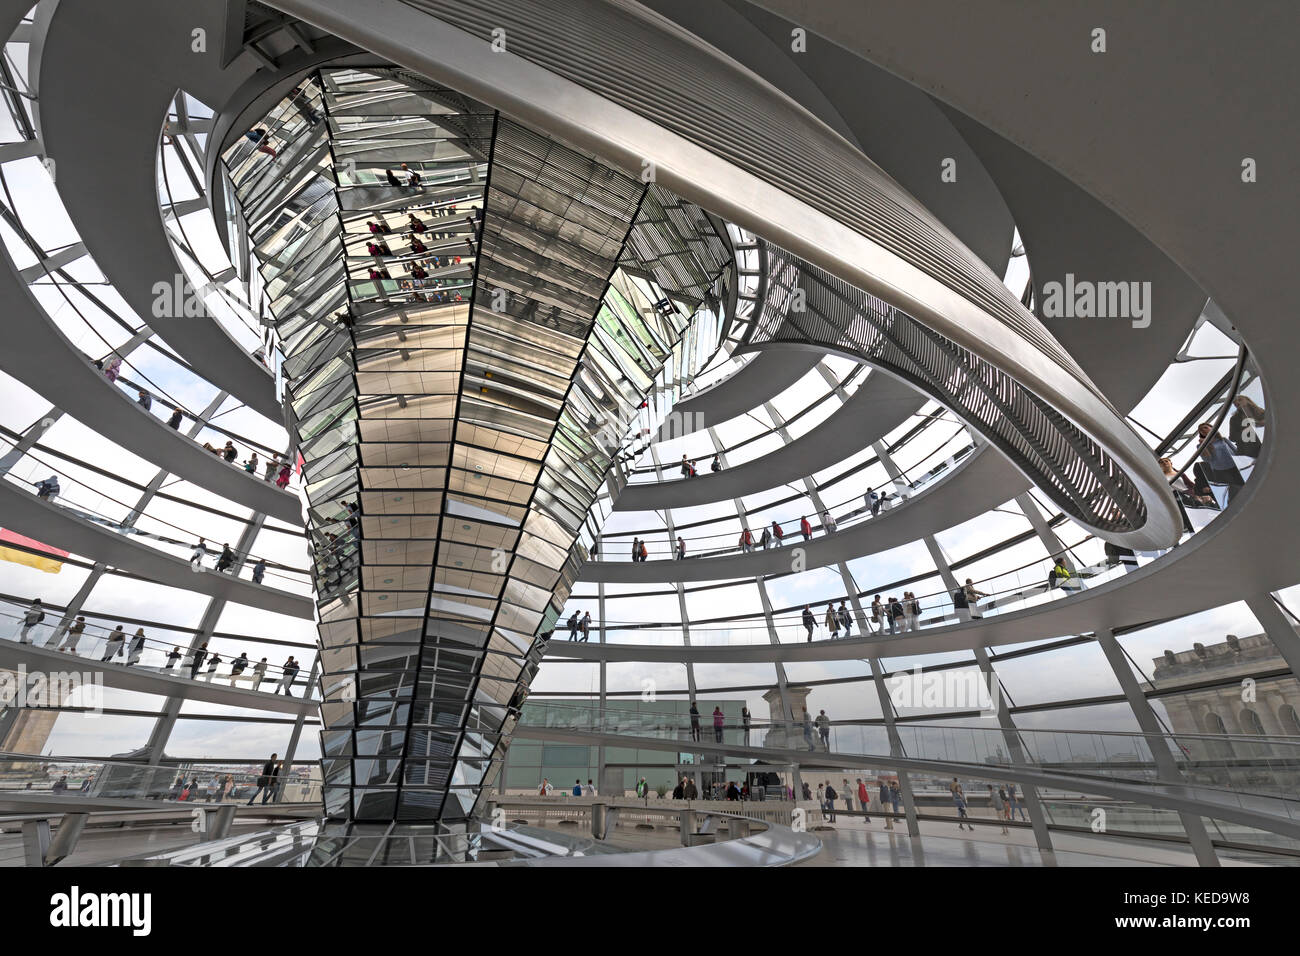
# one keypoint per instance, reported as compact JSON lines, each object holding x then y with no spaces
{"x":266,"y":782}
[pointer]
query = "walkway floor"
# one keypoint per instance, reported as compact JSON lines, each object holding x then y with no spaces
{"x":853,"y":843}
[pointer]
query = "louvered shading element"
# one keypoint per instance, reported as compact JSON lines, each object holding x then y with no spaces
{"x":806,"y":304}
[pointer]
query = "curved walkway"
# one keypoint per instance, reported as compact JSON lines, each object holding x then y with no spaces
{"x":1265,"y":813}
{"x":764,"y":376}
{"x":881,"y":404}
{"x":40,"y":356}
{"x":42,"y":521}
{"x":981,"y":482}
{"x":105,"y":84}
{"x":1187,"y":581}
{"x":150,"y":681}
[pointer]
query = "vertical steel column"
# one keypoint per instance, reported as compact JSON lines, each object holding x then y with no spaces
{"x":1166,"y":767}
{"x":1011,"y":735}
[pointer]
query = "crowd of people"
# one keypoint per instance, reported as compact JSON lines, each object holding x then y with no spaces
{"x":275,"y":468}
{"x":772,"y":535}
{"x":119,"y":647}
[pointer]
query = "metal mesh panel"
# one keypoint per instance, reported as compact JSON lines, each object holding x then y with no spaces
{"x":1072,"y":469}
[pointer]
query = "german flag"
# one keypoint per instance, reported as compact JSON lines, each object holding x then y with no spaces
{"x":30,"y":553}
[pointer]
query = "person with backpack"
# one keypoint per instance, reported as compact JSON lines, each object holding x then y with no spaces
{"x":831,"y":797}
{"x":34,"y":616}
{"x":573,"y":626}
{"x":824,"y":729}
{"x":961,"y":605}
{"x":998,"y":801}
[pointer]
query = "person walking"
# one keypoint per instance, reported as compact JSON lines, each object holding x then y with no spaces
{"x":911,"y":611}
{"x":1015,"y":804}
{"x":136,"y":648}
{"x":846,"y":619}
{"x":237,"y":667}
{"x":847,"y":793}
{"x":226,"y":560}
{"x":832,"y":621}
{"x":746,"y":541}
{"x":877,"y":616}
{"x":259,"y":569}
{"x":831,"y":796}
{"x":778,"y":536}
{"x":116,"y":639}
{"x":695,"y":722}
{"x":586,"y":627}
{"x":48,"y":489}
{"x":265,"y":782}
{"x":808,"y":729}
{"x":636,"y":550}
{"x":895,"y":615}
{"x":973,"y":595}
{"x":998,"y":804}
{"x":1217,"y":455}
{"x":715,"y":466}
{"x":766,"y":540}
{"x":197,"y":662}
{"x":71,"y":639}
{"x":34,"y":615}
{"x":809,"y":622}
{"x":573,"y":623}
{"x":824,"y":728}
{"x":872,"y":501}
{"x":828,"y":523}
{"x":259,"y":673}
{"x":290,"y":671}
{"x":959,"y":801}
